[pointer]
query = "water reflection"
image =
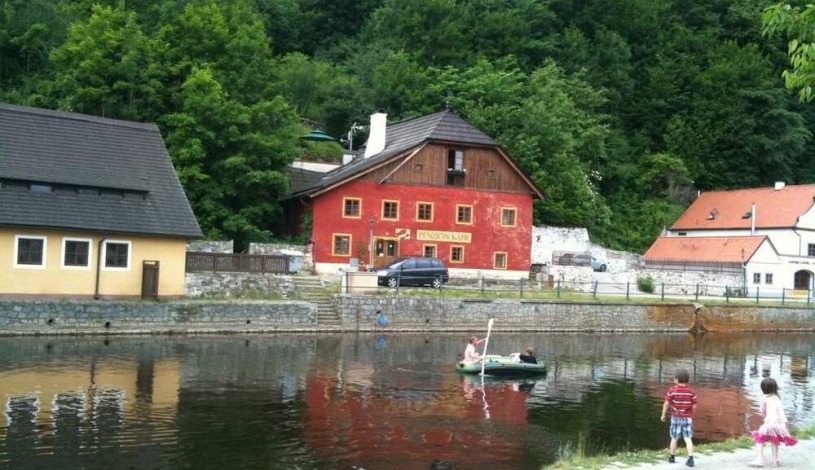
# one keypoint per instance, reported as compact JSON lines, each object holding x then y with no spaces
{"x":371,"y":401}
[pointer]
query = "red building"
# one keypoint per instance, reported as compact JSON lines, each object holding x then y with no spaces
{"x":433,"y":186}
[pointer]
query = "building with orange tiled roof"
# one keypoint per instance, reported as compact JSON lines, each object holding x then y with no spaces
{"x":768,"y":232}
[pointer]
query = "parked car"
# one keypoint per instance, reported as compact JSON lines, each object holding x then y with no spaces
{"x":413,"y":271}
{"x":598,"y":264}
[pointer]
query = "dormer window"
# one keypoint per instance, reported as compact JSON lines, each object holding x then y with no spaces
{"x":455,"y":167}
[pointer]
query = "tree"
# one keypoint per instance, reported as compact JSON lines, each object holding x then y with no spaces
{"x":797,"y":23}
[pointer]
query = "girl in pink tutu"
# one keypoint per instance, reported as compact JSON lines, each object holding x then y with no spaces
{"x":774,"y":430}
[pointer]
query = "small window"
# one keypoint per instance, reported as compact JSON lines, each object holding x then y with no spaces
{"x":429,"y":251}
{"x":456,"y":254}
{"x":30,"y":251}
{"x":418,"y":168}
{"x":682,"y":234}
{"x":342,"y":245}
{"x":76,"y":253}
{"x":424,"y":211}
{"x":390,"y":210}
{"x":768,"y":278}
{"x":507,"y":217}
{"x":464,"y":214}
{"x":500,"y":260}
{"x":40,"y":188}
{"x":117,"y":254}
{"x":352,"y":208}
{"x":811,"y":249}
{"x":491,"y":173}
{"x":756,"y":278}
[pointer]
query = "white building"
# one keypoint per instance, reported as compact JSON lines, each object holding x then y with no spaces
{"x":769,"y":231}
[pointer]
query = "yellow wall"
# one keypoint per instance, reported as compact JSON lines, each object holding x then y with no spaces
{"x":53,"y":279}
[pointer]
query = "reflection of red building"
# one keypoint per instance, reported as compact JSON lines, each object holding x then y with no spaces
{"x":722,"y":413}
{"x":366,"y":428}
{"x":432,"y":186}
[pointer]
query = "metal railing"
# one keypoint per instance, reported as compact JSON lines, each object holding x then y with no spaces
{"x":236,"y":262}
{"x":595,"y":290}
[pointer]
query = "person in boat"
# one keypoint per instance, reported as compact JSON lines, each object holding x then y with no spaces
{"x":528,"y":356}
{"x":470,"y":355}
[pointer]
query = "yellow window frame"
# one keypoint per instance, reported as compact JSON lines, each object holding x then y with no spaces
{"x":334,"y":244}
{"x":345,"y":202}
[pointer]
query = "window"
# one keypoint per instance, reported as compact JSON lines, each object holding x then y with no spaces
{"x":500,"y":260}
{"x":455,"y":160}
{"x":390,"y":210}
{"x":507,"y":217}
{"x":342,"y":245}
{"x":811,"y":249}
{"x":464,"y":214}
{"x":352,"y":208}
{"x":76,"y":253}
{"x":456,"y":254}
{"x":29,"y":251}
{"x":455,"y":167}
{"x":424,"y":211}
{"x":429,"y":251}
{"x":117,"y":254}
{"x":418,"y":168}
{"x":756,"y":278}
{"x":40,"y":188}
{"x":768,"y":278}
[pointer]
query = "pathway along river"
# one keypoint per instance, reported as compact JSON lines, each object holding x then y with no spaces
{"x":371,"y":401}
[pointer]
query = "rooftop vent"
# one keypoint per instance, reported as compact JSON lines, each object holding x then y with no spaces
{"x":779,"y":185}
{"x":747,"y":215}
{"x":713,"y":214}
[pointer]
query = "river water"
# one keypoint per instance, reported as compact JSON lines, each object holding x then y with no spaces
{"x":372,"y":401}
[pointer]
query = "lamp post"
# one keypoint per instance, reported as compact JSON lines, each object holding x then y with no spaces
{"x":371,"y":223}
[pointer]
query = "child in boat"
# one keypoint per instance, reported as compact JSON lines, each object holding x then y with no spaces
{"x":529,"y":356}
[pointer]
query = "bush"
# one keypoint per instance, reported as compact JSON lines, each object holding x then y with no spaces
{"x":646,"y":284}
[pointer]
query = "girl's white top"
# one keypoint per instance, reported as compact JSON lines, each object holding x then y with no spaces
{"x":773,"y":410}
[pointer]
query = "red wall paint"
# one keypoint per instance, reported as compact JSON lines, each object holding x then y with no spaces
{"x":488,"y":236}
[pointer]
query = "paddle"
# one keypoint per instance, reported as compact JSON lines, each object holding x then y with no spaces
{"x":486,"y":343}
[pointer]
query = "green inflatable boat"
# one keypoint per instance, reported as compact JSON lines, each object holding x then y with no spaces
{"x":501,"y":366}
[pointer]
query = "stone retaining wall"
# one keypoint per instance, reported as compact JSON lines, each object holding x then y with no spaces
{"x":225,"y":285}
{"x":103,"y":317}
{"x":382,"y":314}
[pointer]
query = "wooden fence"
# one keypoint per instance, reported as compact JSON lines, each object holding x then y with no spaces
{"x":236,"y":262}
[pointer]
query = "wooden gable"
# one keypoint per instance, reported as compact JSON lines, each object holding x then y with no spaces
{"x":487,"y":169}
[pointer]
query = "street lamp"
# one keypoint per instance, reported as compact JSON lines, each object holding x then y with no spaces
{"x":371,"y":223}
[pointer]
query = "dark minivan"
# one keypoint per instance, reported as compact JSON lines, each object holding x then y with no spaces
{"x":413,"y":271}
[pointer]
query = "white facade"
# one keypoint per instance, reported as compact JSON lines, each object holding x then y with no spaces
{"x":778,"y":268}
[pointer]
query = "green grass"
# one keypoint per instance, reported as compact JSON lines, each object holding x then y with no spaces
{"x":574,"y":457}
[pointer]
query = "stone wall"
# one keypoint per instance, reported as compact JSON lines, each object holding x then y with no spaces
{"x":226,"y":285}
{"x":211,"y":246}
{"x":382,"y":314}
{"x":365,"y":313}
{"x":102,"y":317}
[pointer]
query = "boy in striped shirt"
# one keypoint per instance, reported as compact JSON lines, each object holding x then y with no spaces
{"x":681,"y":399}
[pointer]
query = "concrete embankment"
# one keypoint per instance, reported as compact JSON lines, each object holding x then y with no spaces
{"x":390,"y":313}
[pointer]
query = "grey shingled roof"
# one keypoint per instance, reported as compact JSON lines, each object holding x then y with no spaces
{"x":70,"y":150}
{"x":443,"y":126}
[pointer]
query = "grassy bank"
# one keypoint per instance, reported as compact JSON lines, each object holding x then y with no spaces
{"x":573,"y":456}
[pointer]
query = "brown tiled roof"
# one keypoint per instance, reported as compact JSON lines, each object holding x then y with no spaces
{"x":710,"y":249}
{"x":728,"y":209}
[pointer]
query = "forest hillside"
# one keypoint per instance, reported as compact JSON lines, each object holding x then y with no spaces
{"x":620,"y":110}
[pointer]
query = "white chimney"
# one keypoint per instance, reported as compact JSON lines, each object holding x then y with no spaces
{"x":779,"y":185}
{"x":376,"y":137}
{"x":753,"y":219}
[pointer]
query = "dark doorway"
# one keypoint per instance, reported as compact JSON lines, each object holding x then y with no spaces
{"x":149,"y":280}
{"x":803,"y":280}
